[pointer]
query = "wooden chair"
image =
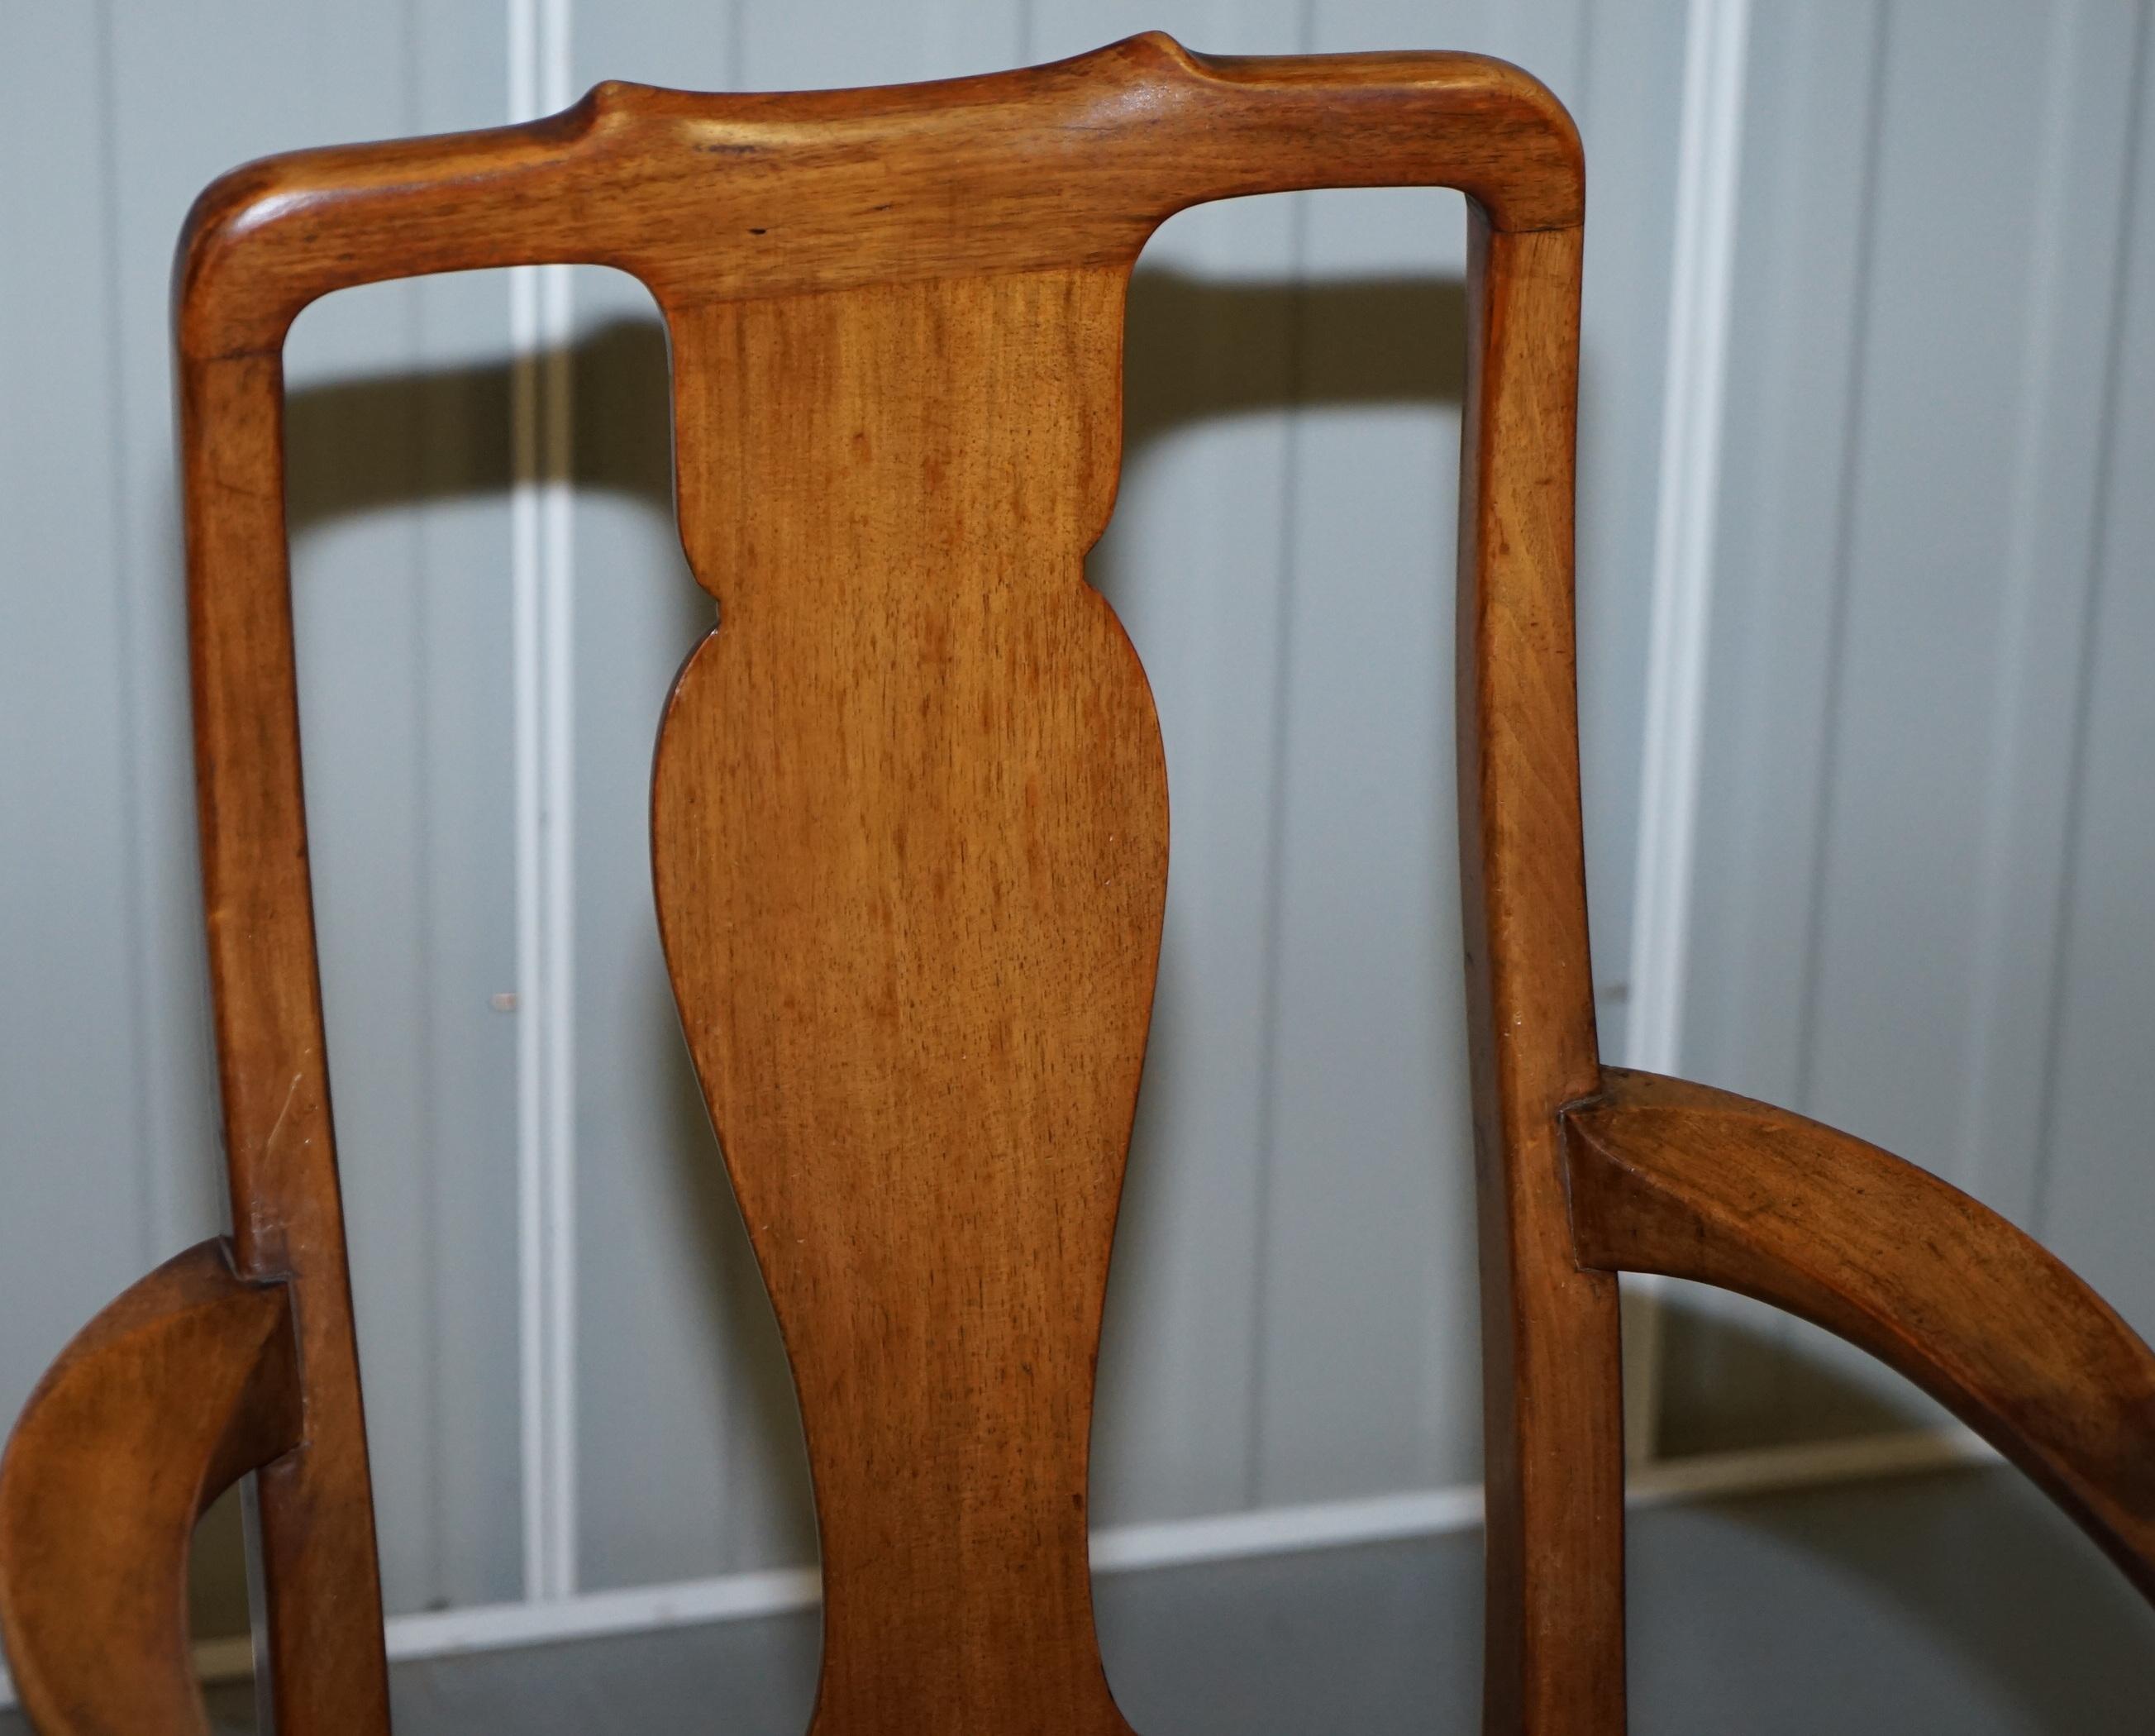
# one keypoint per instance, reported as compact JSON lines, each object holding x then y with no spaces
{"x":910,"y":831}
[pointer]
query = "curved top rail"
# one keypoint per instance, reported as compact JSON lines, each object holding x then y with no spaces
{"x":716,"y":198}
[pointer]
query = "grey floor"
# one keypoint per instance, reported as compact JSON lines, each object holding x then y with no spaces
{"x":1954,"y":1603}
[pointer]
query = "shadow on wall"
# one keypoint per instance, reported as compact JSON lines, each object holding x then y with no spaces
{"x":404,"y":439}
{"x":1956,"y":1602}
{"x":390,"y":440}
{"x":1738,"y":1375}
{"x":1336,"y":344}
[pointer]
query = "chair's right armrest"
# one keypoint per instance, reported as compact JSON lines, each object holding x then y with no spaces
{"x":1669,"y":1176}
{"x":173,"y":1393}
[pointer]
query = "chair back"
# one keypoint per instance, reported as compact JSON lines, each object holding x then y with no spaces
{"x":909,"y":817}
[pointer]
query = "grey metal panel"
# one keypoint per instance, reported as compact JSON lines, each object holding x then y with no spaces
{"x":1628,"y":102}
{"x":2099,"y":1181}
{"x":401,"y":613}
{"x":356,"y":590}
{"x":80,"y":1134}
{"x":1953,"y":515}
{"x":1812,"y":107}
{"x":1367,"y":1360}
{"x":472,"y":1493}
{"x":2069,"y":396}
{"x":1924,"y":329}
{"x":785,"y":47}
{"x":1813,"y":103}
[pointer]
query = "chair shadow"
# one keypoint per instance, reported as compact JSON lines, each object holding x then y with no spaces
{"x":1199,"y":349}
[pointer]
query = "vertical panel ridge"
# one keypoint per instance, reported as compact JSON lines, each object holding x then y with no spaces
{"x":1709,"y":158}
{"x":2139,"y":134}
{"x":541,"y":331}
{"x":1843,"y":556}
{"x":2070,"y":410}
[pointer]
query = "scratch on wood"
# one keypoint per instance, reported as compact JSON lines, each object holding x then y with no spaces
{"x":276,"y":1127}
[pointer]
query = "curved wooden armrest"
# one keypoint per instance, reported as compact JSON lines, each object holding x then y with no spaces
{"x":1672,"y":1177}
{"x":169,"y":1396}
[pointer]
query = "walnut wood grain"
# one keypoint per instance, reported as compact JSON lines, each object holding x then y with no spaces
{"x":910,"y":814}
{"x":1672,"y":1177}
{"x":1552,"y":1395}
{"x":725,"y":197}
{"x":163,"y":1401}
{"x":909,"y":839}
{"x":329,"y":1672}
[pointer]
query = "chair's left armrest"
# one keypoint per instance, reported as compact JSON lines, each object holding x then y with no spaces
{"x":177,"y":1391}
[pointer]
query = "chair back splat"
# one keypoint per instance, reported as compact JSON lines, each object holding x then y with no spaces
{"x":909,"y":812}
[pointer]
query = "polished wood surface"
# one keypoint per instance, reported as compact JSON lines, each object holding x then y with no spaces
{"x":910,"y":843}
{"x":726,"y":198}
{"x":909,"y":811}
{"x":1552,"y":1400}
{"x":177,"y":1390}
{"x":1672,"y":1177}
{"x":1552,"y":1396}
{"x":909,"y":838}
